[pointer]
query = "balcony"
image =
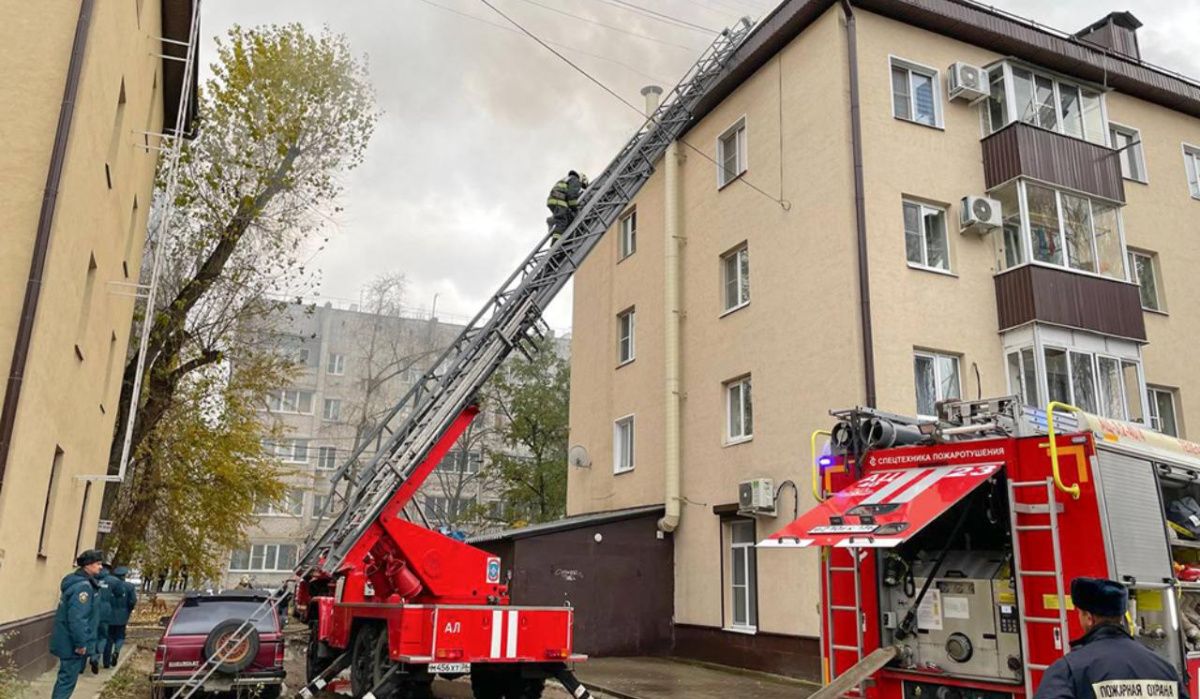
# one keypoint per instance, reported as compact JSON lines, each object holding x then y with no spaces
{"x":1020,"y":149}
{"x":1061,"y":297}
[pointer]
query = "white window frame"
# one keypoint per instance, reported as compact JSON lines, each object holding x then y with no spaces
{"x":627,"y":343}
{"x":318,"y":501}
{"x":336,"y":366}
{"x":1035,"y":389}
{"x":286,"y":449}
{"x":292,"y":506}
{"x":1154,"y":419}
{"x":1094,"y":357}
{"x":1135,"y":148}
{"x":1191,"y":167}
{"x":331,"y":415}
{"x":933,"y":74}
{"x":326,"y":455}
{"x":1010,"y":100}
{"x":937,"y":375}
{"x":624,"y":453}
{"x":1136,"y":278}
{"x":627,"y":234}
{"x":281,"y":396}
{"x":742,"y":386}
{"x":736,"y":255}
{"x":743,"y":550}
{"x":737,"y":130}
{"x":923,"y":209}
{"x":261,"y":554}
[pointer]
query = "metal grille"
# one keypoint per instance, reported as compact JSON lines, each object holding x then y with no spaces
{"x":1135,"y":517}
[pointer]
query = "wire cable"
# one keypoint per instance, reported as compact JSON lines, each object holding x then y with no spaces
{"x":684,"y":22}
{"x":609,"y":26}
{"x":783,"y":203}
{"x":669,"y":21}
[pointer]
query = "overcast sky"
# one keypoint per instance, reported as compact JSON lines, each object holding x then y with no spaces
{"x":479,"y":121}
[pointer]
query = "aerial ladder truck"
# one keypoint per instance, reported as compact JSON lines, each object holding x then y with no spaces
{"x":397,"y":603}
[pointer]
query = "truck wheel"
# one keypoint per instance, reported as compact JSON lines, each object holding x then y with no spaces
{"x":381,"y":663}
{"x":362,"y":660}
{"x":316,"y":658}
{"x":528,"y":688}
{"x":416,"y":689}
{"x":486,"y":684}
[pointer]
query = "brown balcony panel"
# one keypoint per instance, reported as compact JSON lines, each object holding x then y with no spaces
{"x":1020,"y":149}
{"x":1066,"y":298}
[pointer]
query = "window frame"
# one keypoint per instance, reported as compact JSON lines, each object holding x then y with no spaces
{"x":1010,"y":101}
{"x":1191,"y":168}
{"x":292,"y":506}
{"x":279,"y":394}
{"x":1153,"y":418}
{"x":620,"y":450}
{"x":934,"y":356}
{"x":326,"y":453}
{"x":736,"y":254}
{"x":924,"y":208}
{"x":911,"y":67}
{"x":1136,"y":278}
{"x":746,"y":550}
{"x":336,"y":404}
{"x":627,"y":234}
{"x":626,"y":341}
{"x":741,"y":141}
{"x":745,"y":388}
{"x":262,"y":555}
{"x":336,"y":364}
{"x":1136,"y":146}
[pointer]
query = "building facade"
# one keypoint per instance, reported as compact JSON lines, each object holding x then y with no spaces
{"x":857,"y":228}
{"x":354,"y":366}
{"x":84,"y":89}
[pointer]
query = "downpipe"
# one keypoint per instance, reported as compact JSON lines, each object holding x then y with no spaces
{"x":672,"y":242}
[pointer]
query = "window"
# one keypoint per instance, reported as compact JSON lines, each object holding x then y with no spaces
{"x":1142,"y":272}
{"x":1096,"y":383}
{"x":333,"y":409}
{"x":48,"y":507}
{"x":1128,"y":143}
{"x":320,"y":501}
{"x":735,"y":278}
{"x":623,"y":445}
{"x":1023,"y":377}
{"x":925,"y":241}
{"x":1191,"y":161}
{"x":292,"y":505}
{"x":290,"y":400}
{"x":1019,"y":93}
{"x":936,"y":378}
{"x":731,"y":153}
{"x":289,"y":450}
{"x":336,"y":366}
{"x":915,"y":93}
{"x":627,"y":241}
{"x":744,"y":579}
{"x":1162,"y":411}
{"x":326,"y":458}
{"x":302,"y":355}
{"x":625,"y":341}
{"x":459,"y":461}
{"x":444,"y":509}
{"x":264,"y":558}
{"x":739,"y":410}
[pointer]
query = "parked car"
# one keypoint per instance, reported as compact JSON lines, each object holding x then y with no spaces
{"x":200,"y":623}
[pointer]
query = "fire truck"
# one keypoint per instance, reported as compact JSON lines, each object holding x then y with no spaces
{"x":947,"y":546}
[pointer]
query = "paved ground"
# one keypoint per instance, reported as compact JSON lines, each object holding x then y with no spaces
{"x":662,"y":678}
{"x":89,"y":685}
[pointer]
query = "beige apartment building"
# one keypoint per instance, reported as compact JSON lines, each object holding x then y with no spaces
{"x":972,"y":205}
{"x":82,"y":83}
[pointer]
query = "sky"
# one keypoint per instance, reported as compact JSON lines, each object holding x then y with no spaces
{"x":478,"y":121}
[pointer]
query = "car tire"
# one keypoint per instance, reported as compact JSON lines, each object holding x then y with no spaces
{"x":362,"y":660}
{"x":381,"y":664}
{"x":246,"y":651}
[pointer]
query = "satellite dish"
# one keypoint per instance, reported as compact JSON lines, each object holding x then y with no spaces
{"x":578,"y":457}
{"x":982,"y":209}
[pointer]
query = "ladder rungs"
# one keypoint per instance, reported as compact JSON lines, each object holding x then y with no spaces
{"x":1042,"y":620}
{"x":1033,"y":666}
{"x":843,"y":608}
{"x":841,"y":569}
{"x":1027,"y":484}
{"x":1032,"y":527}
{"x":850,"y":648}
{"x":1037,"y":573}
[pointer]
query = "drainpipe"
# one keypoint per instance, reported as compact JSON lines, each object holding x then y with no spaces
{"x":672,"y":242}
{"x":41,"y":242}
{"x":860,"y":209}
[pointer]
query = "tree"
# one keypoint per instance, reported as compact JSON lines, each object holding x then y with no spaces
{"x":462,"y":478}
{"x":284,"y":114}
{"x":532,"y":399}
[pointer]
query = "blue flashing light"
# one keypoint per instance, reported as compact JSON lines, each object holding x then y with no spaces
{"x":825,"y":461}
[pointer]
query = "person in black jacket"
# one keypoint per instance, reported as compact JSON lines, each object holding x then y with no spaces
{"x":563,"y":201}
{"x":1106,"y":662}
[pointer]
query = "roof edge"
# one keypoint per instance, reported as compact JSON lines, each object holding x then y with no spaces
{"x":569,"y":523}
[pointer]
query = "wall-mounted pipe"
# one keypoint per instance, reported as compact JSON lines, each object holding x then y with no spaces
{"x":672,"y":242}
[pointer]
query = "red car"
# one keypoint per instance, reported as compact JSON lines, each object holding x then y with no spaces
{"x":200,"y":624}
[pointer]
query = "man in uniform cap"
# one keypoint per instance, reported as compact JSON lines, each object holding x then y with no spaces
{"x":1107,"y":662}
{"x":75,"y":622}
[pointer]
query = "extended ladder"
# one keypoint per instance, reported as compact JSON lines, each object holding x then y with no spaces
{"x":510,"y":320}
{"x":1019,"y":513}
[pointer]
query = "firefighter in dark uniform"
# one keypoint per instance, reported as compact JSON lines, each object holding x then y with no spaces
{"x":1107,"y":663}
{"x":563,"y":201}
{"x":75,"y":622}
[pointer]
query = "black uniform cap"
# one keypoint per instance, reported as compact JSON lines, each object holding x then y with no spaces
{"x":89,"y":557}
{"x":1106,"y":598}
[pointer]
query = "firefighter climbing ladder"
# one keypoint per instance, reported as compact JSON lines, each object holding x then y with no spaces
{"x":1018,"y":511}
{"x":512,"y":319}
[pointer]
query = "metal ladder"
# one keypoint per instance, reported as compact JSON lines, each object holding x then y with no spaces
{"x":1051,"y":507}
{"x":834,"y":646}
{"x":510,"y":320}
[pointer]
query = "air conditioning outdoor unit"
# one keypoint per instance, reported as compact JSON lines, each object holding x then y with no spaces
{"x":968,"y":82}
{"x":757,"y":497}
{"x":979,"y":214}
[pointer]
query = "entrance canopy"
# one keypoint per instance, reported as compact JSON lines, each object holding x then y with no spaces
{"x":884,"y":508}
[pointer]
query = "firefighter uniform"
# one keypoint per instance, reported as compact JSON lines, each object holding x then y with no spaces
{"x":124,"y":600}
{"x":1107,"y":663}
{"x":75,"y":623}
{"x":563,"y":202}
{"x":104,"y":600}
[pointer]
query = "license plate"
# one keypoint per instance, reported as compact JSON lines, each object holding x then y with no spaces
{"x":449,"y":668}
{"x":844,"y":529}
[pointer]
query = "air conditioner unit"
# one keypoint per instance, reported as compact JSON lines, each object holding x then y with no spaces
{"x":757,"y":497}
{"x":979,"y":214}
{"x":968,"y":82}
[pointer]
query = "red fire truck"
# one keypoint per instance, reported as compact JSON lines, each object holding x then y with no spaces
{"x":948,"y":546}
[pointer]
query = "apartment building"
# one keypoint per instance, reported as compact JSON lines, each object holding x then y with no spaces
{"x":83,"y":87}
{"x":356,"y":365}
{"x":898,"y":202}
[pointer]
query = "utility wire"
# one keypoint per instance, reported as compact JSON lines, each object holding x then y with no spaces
{"x":684,"y":22}
{"x":783,"y":203}
{"x":669,"y":21}
{"x":563,"y":46}
{"x":609,"y":26}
